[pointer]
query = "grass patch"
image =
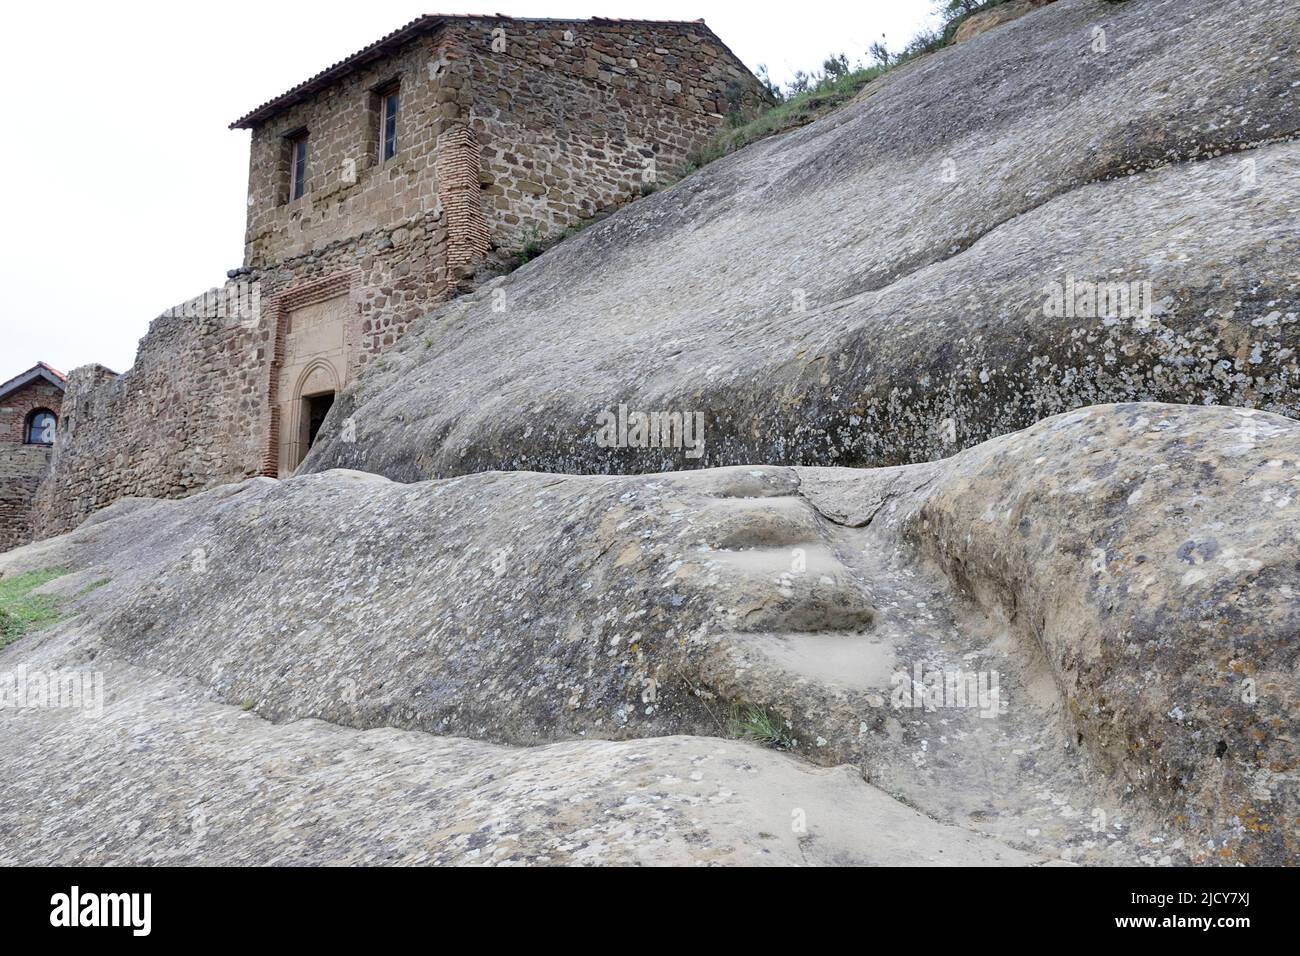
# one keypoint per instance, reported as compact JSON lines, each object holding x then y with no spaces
{"x":21,"y":611}
{"x":762,"y":726}
{"x":536,"y":244}
{"x":533,"y":248}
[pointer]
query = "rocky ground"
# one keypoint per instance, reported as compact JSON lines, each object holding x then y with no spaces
{"x":962,"y":573}
{"x":1119,"y":583}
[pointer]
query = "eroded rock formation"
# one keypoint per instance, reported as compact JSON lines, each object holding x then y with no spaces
{"x":1121,"y":579}
{"x":1056,"y":620}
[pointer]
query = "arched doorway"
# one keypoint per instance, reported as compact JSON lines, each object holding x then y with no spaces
{"x":312,"y":396}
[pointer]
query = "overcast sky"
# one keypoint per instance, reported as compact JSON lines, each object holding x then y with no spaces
{"x":124,"y":188}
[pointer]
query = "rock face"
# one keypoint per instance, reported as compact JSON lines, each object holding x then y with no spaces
{"x":1093,"y":203}
{"x":222,"y":786}
{"x":1032,"y":632}
{"x":1073,"y":642}
{"x":986,"y":20}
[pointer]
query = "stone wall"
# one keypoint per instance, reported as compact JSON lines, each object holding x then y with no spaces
{"x":348,"y":191}
{"x":398,"y":274}
{"x":190,"y":414}
{"x":16,"y":406}
{"x":577,"y":117}
{"x":21,"y":470}
{"x":199,"y":406}
{"x":572,"y":117}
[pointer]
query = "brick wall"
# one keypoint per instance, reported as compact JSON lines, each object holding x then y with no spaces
{"x":22,"y":466}
{"x":17,"y":405}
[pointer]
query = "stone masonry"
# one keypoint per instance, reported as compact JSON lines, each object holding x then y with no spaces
{"x":506,"y":132}
{"x":21,"y":469}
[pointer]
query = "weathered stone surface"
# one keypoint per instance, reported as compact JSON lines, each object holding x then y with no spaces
{"x":210,"y":784}
{"x":871,"y":289}
{"x":986,"y":20}
{"x":1124,"y":570}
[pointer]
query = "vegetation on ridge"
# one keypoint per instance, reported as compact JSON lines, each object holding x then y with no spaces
{"x":811,"y":95}
{"x":761,"y":726}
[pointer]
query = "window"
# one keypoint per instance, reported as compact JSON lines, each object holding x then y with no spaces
{"x":40,"y":427}
{"x":297,"y":165}
{"x":387,"y":123}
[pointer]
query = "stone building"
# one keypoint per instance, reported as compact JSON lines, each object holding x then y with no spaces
{"x":377,"y":188}
{"x":29,"y":415}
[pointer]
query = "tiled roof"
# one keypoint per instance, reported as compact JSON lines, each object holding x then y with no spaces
{"x":417,"y":27}
{"x":39,"y":370}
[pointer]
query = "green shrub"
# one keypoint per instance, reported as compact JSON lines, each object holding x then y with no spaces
{"x":821,"y":95}
{"x":761,"y":726}
{"x":535,"y":245}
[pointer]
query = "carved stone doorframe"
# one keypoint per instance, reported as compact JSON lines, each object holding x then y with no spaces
{"x":279,"y":309}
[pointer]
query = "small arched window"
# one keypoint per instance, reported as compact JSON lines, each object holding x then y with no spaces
{"x":40,"y":427}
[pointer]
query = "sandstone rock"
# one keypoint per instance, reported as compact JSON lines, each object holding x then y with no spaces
{"x":1072,"y":642}
{"x":881,"y":286}
{"x":1124,"y":570}
{"x":210,"y":784}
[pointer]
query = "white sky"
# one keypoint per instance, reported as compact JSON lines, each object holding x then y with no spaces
{"x":124,"y":191}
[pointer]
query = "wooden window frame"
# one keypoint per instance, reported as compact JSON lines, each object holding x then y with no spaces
{"x":392,"y":90}
{"x":29,"y":422}
{"x":297,"y":177}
